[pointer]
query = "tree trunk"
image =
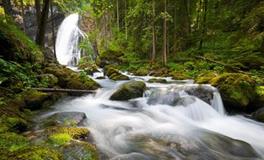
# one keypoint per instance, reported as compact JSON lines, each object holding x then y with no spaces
{"x":153,"y":56}
{"x":53,"y":30}
{"x":23,"y":15}
{"x":40,"y":39}
{"x":126,"y":27}
{"x":117,"y":14}
{"x":38,"y":11}
{"x":204,"y":29}
{"x":8,"y":7}
{"x":165,"y":35}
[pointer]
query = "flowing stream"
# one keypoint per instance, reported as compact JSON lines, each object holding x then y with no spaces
{"x":167,"y":123}
{"x":178,"y":120}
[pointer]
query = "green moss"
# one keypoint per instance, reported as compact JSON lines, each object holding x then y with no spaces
{"x":74,"y":132}
{"x":179,"y":76}
{"x":205,"y":78}
{"x":60,"y":138}
{"x":37,"y":153}
{"x":12,"y":142}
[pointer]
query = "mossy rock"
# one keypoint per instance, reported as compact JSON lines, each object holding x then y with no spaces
{"x":34,"y":99}
{"x":79,"y":151}
{"x":129,"y":90}
{"x":70,"y":79}
{"x":237,"y":90}
{"x":157,"y":80}
{"x":114,"y":74}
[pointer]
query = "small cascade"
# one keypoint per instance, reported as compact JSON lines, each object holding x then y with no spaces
{"x":217,"y":103}
{"x":67,"y":43}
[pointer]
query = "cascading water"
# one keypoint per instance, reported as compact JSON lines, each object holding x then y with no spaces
{"x":67,"y":43}
{"x":170,"y":122}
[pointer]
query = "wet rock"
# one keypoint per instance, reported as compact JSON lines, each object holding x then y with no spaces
{"x":202,"y":92}
{"x":114,"y":74}
{"x":129,"y":90}
{"x":205,"y":145}
{"x":65,"y":119}
{"x":79,"y":151}
{"x":259,"y":115}
{"x":164,"y":98}
{"x":228,"y":146}
{"x":171,"y":98}
{"x":155,"y":80}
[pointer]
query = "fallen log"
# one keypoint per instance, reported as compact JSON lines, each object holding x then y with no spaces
{"x":71,"y":91}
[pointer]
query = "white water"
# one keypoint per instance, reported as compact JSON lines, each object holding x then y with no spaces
{"x":115,"y":125}
{"x":67,"y":42}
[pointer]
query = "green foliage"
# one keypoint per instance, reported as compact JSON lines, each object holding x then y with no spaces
{"x":14,"y":72}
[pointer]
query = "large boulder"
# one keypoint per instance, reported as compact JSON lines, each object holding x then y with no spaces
{"x":114,"y":74}
{"x":129,"y":90}
{"x":70,"y":79}
{"x":204,"y":145}
{"x":65,"y":119}
{"x":237,"y":90}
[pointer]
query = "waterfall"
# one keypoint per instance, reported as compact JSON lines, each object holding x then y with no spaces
{"x":67,"y":43}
